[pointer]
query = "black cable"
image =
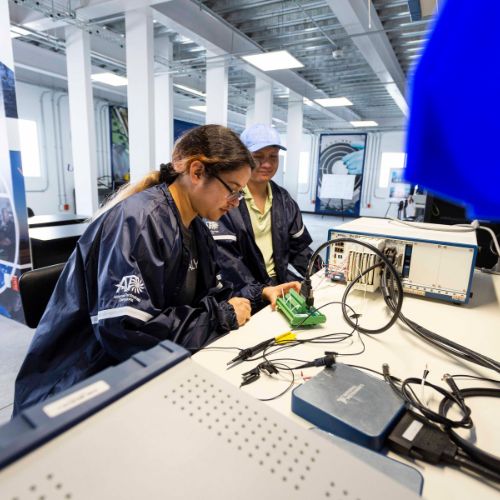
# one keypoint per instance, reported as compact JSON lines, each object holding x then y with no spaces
{"x":450,"y":346}
{"x":464,"y":454}
{"x":290,"y":359}
{"x":484,"y":458}
{"x":354,"y":353}
{"x":477,"y":468}
{"x":308,"y":292}
{"x":395,"y":379}
{"x":283,"y":367}
{"x":396,"y":312}
{"x":313,"y":340}
{"x":221,"y":348}
{"x":475,"y":377}
{"x":394,"y":300}
{"x":436,"y":340}
{"x":254,"y":374}
{"x":429,"y":442}
{"x":406,"y":392}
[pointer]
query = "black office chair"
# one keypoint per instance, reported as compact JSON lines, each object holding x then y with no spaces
{"x":36,"y":288}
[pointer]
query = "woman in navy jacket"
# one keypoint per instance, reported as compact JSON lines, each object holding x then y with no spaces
{"x":144,"y":271}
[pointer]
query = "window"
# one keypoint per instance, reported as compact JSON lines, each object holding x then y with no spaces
{"x":390,"y":161}
{"x":283,"y":159}
{"x":30,"y":151}
{"x":304,"y":166}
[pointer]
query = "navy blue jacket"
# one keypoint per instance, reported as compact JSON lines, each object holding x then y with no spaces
{"x":117,"y":296}
{"x":241,"y":260}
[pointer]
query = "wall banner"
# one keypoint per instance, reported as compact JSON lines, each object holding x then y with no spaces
{"x":120,"y":163}
{"x":340,"y":174}
{"x":14,"y":240}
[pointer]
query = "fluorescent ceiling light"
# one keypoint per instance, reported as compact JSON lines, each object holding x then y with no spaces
{"x":308,"y":102}
{"x":189,"y":89}
{"x":364,"y":123}
{"x":334,"y":102}
{"x":16,"y":31}
{"x":201,"y":108}
{"x":110,"y":79}
{"x":277,"y":120}
{"x":270,"y":61}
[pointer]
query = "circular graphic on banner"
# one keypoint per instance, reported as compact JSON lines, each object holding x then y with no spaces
{"x":330,"y":161}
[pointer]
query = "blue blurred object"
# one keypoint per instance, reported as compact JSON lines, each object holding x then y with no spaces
{"x":455,"y":107}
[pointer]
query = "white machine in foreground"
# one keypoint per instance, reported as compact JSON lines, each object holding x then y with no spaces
{"x":432,"y":260}
{"x":161,"y":426}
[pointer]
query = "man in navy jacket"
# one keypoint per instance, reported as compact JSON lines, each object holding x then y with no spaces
{"x":258,"y":240}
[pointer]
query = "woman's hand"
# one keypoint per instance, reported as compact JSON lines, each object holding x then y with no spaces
{"x":271,"y":293}
{"x":242,"y":309}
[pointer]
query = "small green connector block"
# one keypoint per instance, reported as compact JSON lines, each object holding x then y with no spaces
{"x":294,"y":307}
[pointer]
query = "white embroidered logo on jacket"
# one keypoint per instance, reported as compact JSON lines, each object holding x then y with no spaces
{"x":130,"y":284}
{"x":212,"y":225}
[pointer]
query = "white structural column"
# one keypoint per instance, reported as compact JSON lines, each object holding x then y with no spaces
{"x":82,"y":123}
{"x":140,"y":92}
{"x":249,"y":117}
{"x":216,"y":90}
{"x":263,"y":112}
{"x":294,"y":143}
{"x":164,"y":105}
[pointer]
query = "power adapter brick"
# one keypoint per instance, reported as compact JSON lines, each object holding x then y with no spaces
{"x":349,"y":403}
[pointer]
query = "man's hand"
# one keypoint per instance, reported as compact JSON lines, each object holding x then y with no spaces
{"x":242,"y":309}
{"x":271,"y":293}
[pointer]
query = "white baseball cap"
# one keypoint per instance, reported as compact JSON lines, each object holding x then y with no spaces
{"x":260,"y":136}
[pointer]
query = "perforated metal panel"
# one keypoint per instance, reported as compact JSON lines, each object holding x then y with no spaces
{"x":188,"y":434}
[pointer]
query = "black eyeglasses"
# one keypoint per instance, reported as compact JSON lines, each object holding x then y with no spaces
{"x":233,"y":195}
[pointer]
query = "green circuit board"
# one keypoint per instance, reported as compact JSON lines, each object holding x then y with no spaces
{"x":293,"y":306}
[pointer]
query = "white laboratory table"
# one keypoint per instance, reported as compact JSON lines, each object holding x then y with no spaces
{"x":475,"y":325}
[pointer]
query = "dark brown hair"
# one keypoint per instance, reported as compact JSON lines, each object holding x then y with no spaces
{"x":217,"y":147}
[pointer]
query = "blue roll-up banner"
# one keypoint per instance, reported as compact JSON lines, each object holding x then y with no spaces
{"x":120,"y":164}
{"x":340,"y":174}
{"x":14,"y":240}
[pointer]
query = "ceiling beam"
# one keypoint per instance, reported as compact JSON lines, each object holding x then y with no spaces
{"x":368,"y":35}
{"x":206,"y":28}
{"x":49,"y":18}
{"x":27,"y":58}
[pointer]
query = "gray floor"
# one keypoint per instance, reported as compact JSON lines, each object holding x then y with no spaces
{"x":15,"y":338}
{"x":14,"y":342}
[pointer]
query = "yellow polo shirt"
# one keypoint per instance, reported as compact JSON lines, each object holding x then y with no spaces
{"x":262,"y":227}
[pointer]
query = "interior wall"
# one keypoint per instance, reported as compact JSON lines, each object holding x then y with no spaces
{"x":54,"y":191}
{"x":375,"y":199}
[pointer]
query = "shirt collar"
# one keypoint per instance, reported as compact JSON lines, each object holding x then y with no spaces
{"x":249,"y":197}
{"x":251,"y":202}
